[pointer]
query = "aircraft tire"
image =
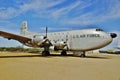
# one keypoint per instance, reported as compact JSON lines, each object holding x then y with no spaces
{"x":63,"y":53}
{"x":82,"y":55}
{"x":45,"y":53}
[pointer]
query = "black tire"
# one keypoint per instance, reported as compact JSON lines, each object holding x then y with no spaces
{"x":63,"y":53}
{"x":82,"y":55}
{"x":45,"y":53}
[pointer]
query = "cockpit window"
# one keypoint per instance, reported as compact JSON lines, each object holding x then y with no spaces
{"x":99,"y":30}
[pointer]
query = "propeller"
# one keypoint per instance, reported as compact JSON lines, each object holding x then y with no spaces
{"x":46,"y":41}
{"x":46,"y":31}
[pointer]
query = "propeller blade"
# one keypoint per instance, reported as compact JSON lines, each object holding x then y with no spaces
{"x":46,"y":31}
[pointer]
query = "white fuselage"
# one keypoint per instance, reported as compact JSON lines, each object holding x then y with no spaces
{"x":77,"y":40}
{"x":88,"y":39}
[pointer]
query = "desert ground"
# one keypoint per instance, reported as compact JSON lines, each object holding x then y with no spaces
{"x":29,"y":66}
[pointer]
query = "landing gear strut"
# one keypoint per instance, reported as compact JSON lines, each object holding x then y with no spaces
{"x":83,"y":54}
{"x":63,"y":53}
{"x":46,"y":51}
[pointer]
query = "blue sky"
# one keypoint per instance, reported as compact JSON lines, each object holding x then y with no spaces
{"x":58,"y":15}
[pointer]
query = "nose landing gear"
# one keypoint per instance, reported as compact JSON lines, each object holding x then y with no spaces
{"x":81,"y":54}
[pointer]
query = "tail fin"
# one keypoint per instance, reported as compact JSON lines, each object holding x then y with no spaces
{"x":24,"y":28}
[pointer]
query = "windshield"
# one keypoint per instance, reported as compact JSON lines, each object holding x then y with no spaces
{"x":99,"y":30}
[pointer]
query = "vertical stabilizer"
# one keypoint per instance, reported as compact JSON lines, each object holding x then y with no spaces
{"x":24,"y":28}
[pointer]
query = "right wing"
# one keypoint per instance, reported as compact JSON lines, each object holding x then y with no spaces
{"x":14,"y":37}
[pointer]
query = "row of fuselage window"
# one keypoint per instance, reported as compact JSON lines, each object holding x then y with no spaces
{"x":66,"y":37}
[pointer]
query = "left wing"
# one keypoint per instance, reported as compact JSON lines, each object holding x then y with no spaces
{"x":14,"y":37}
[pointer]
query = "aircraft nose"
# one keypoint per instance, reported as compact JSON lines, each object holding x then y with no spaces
{"x":113,"y":35}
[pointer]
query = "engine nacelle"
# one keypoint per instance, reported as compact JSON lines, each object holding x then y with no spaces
{"x":38,"y":38}
{"x":59,"y":45}
{"x":41,"y":41}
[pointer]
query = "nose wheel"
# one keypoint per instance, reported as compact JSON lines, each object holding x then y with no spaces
{"x":80,"y":54}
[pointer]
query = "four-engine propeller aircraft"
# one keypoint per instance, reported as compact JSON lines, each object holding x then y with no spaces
{"x":74,"y":40}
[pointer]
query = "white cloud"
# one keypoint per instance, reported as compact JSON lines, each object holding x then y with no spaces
{"x":65,"y":10}
{"x":111,"y":12}
{"x":7,"y":13}
{"x":34,"y":5}
{"x":6,"y":25}
{"x":74,"y":8}
{"x":97,"y":15}
{"x":73,"y":13}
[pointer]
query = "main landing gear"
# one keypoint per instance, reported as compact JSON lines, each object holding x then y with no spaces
{"x":83,"y":54}
{"x":46,"y":45}
{"x":46,"y":51}
{"x":63,"y":53}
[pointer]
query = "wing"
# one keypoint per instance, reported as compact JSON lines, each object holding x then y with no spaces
{"x":14,"y":37}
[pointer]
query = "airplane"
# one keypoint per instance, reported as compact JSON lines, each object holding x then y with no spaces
{"x":75,"y":40}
